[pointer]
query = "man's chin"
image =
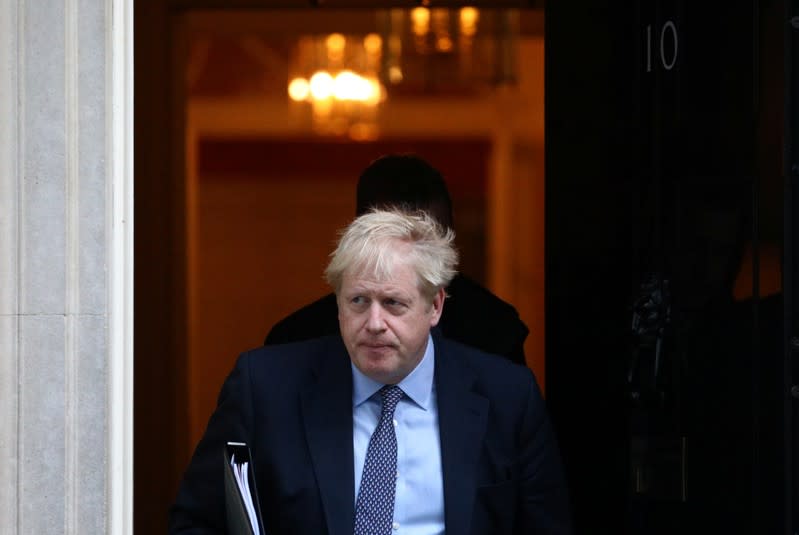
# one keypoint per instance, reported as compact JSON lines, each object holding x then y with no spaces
{"x":379,"y":365}
{"x":378,"y":359}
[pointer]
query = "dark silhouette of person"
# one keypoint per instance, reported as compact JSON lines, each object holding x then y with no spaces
{"x":473,"y":315}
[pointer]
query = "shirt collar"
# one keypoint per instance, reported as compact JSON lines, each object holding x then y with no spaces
{"x":417,"y":385}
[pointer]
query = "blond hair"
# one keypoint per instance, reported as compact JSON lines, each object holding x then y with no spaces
{"x":372,"y":244}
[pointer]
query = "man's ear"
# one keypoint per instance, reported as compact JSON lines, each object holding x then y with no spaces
{"x":438,"y":306}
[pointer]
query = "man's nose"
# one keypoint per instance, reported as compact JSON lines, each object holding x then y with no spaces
{"x":375,"y":322}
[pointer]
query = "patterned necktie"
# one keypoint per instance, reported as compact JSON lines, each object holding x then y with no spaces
{"x":374,"y":509}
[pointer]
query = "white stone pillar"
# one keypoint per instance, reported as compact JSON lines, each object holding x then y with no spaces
{"x":66,"y":260}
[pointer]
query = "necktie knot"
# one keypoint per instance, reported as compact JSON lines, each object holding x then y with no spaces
{"x":391,"y":395}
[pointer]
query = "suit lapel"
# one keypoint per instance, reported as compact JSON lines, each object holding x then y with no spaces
{"x":462,"y":416}
{"x":327,"y":414}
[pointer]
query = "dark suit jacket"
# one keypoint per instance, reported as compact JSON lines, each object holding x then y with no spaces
{"x":472,"y":315}
{"x":293,"y":405}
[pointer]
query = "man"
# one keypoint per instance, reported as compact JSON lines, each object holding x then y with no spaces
{"x":474,"y":316}
{"x":386,"y":428}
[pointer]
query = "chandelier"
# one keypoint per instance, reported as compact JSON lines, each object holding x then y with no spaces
{"x":341,"y":80}
{"x":443,"y":50}
{"x":337,"y":75}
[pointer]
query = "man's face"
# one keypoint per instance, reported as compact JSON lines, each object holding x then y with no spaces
{"x":385,"y":324}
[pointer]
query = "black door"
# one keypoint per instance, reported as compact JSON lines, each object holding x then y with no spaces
{"x":666,"y":141}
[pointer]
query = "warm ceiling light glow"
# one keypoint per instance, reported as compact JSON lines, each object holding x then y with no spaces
{"x":344,"y":86}
{"x":337,"y":78}
{"x":374,"y":92}
{"x":321,"y":85}
{"x":394,"y":74}
{"x":372,"y":43}
{"x":322,"y":108}
{"x":420,"y":18}
{"x":444,"y":44}
{"x":335,"y":42}
{"x":299,"y":89}
{"x":469,"y":17}
{"x":347,"y":86}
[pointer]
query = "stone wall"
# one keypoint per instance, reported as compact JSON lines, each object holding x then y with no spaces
{"x":64,"y":252}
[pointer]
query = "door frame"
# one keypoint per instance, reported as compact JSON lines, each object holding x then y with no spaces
{"x":162,"y":238}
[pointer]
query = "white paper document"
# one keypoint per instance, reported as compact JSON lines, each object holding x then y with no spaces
{"x":240,"y":471}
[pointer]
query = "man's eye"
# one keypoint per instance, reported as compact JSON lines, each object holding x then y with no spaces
{"x":358,"y":300}
{"x":393,"y":303}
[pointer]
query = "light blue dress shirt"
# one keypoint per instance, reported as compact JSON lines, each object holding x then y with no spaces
{"x":419,"y":502}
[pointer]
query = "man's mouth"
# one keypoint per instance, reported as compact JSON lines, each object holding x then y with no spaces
{"x":377,"y":345}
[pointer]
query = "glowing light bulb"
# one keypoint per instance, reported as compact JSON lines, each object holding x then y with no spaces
{"x":321,"y":85}
{"x":373,"y":92}
{"x":444,"y":44}
{"x":468,"y":18}
{"x":299,"y":89}
{"x":346,"y":86}
{"x":335,"y":42}
{"x":394,"y":74}
{"x":420,"y":19}
{"x":372,"y":43}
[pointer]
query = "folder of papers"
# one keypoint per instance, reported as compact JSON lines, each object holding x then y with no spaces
{"x":241,"y":496}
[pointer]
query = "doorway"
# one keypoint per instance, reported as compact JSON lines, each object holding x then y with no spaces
{"x":239,"y":197}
